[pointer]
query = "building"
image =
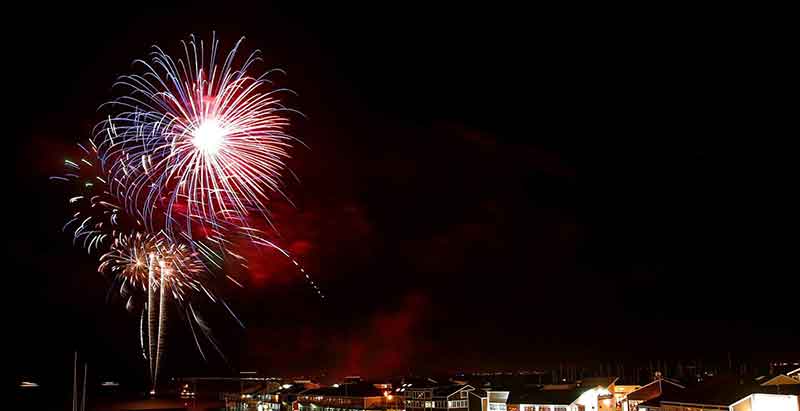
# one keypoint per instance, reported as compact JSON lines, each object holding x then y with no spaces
{"x":621,"y":392}
{"x":722,"y":393}
{"x":452,"y":397}
{"x":283,"y":398}
{"x":348,"y":397}
{"x":488,"y":400}
{"x":782,"y":383}
{"x":766,"y":402}
{"x":648,"y":394}
{"x":593,"y":394}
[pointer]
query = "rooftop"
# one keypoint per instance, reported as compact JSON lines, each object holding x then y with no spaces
{"x":655,"y":389}
{"x":538,"y":396}
{"x":447,"y":390}
{"x":721,"y":390}
{"x":346,"y":390}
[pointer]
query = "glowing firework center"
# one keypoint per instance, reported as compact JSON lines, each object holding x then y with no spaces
{"x":209,"y":136}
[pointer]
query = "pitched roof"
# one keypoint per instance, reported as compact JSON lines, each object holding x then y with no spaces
{"x":346,"y":390}
{"x":447,"y":390}
{"x":419,"y":383}
{"x":720,"y":390}
{"x":479,"y":393}
{"x":293,"y":389}
{"x":654,"y":389}
{"x":538,"y":396}
{"x":780,"y":380}
{"x":650,"y":403}
{"x":598,"y":381}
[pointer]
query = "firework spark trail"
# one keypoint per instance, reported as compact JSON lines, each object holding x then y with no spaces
{"x":141,"y":334}
{"x":151,"y":313}
{"x":162,"y":318}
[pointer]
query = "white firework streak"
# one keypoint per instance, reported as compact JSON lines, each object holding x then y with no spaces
{"x":151,"y":314}
{"x":162,"y":317}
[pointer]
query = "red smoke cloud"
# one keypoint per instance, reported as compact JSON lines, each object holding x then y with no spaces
{"x":308,"y":236}
{"x":387,"y":341}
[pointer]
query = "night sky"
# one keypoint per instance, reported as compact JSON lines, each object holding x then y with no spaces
{"x":483,"y":188}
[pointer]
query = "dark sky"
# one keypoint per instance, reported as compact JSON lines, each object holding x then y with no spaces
{"x":485,"y":187}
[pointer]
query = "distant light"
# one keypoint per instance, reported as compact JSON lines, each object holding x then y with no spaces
{"x":248,"y":372}
{"x":335,"y":385}
{"x":153,"y":392}
{"x":28,"y":384}
{"x":286,"y":386}
{"x":109,"y":384}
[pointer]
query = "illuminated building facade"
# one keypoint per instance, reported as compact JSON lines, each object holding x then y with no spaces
{"x":728,"y":393}
{"x":283,"y":398}
{"x":588,"y":396}
{"x":649,"y":392}
{"x":488,"y":400}
{"x":453,"y":397}
{"x":348,"y":397}
{"x":766,"y":402}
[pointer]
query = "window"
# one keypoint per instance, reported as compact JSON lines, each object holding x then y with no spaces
{"x":464,"y":394}
{"x":494,"y":406}
{"x":457,"y":404}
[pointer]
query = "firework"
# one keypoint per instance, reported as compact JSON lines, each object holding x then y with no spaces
{"x":171,"y":183}
{"x":160,"y":268}
{"x":197,"y":140}
{"x":139,"y":259}
{"x":96,"y":214}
